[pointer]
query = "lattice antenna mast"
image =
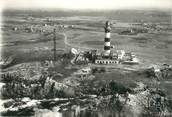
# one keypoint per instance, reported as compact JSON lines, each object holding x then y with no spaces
{"x":54,"y":40}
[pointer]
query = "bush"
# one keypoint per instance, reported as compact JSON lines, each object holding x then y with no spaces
{"x":118,"y":88}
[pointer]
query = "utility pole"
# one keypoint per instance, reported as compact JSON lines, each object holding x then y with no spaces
{"x":54,"y":39}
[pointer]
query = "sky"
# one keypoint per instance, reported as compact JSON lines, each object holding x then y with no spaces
{"x":86,"y":4}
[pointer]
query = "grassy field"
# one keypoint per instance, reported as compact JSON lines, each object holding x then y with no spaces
{"x":153,"y":47}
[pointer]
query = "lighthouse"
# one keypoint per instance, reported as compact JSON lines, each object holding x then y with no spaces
{"x":107,"y":45}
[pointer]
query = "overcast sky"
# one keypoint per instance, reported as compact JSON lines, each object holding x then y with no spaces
{"x":88,"y":4}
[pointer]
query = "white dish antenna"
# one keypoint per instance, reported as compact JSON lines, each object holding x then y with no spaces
{"x":74,"y":51}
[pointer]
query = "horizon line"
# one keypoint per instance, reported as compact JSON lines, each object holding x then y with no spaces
{"x":85,"y":9}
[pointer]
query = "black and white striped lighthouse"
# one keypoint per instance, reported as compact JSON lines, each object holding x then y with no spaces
{"x":107,"y":45}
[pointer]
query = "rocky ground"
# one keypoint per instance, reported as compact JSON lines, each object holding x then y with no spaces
{"x":60,"y":87}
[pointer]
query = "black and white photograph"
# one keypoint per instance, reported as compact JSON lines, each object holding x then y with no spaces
{"x":86,"y":58}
